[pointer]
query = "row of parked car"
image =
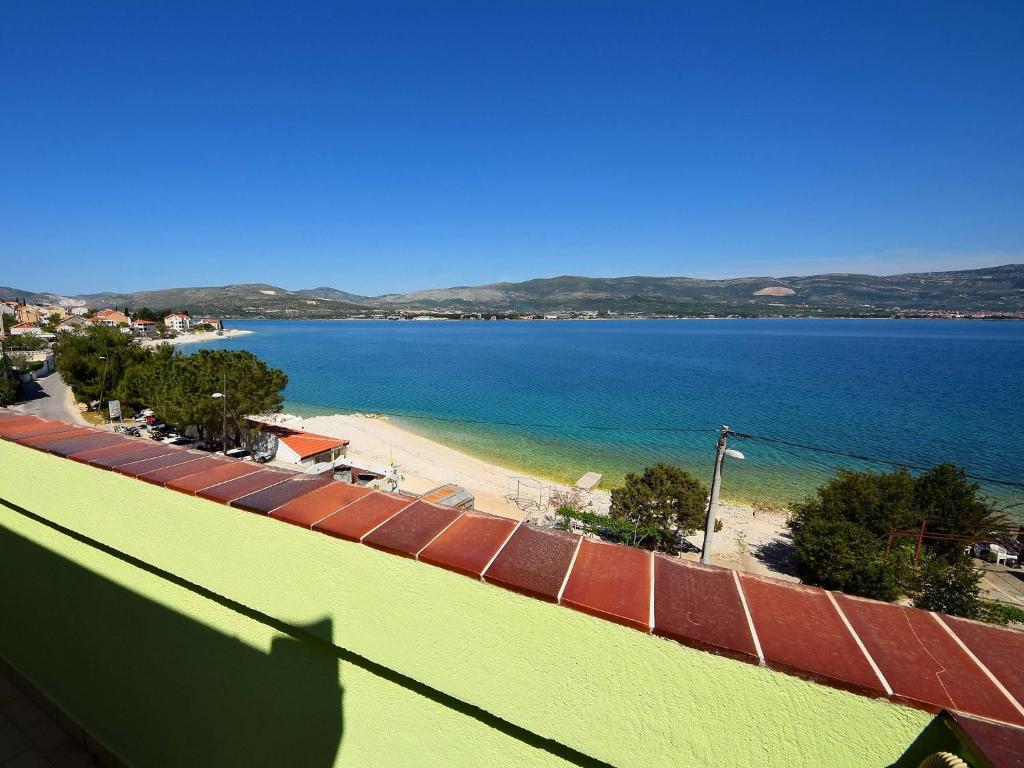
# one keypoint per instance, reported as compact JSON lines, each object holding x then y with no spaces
{"x":147,"y":423}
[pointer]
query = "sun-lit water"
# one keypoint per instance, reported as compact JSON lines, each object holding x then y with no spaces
{"x":531,"y":392}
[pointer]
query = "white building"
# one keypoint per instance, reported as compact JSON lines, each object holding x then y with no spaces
{"x":26,"y":329}
{"x":307,"y":449}
{"x":178,"y":322}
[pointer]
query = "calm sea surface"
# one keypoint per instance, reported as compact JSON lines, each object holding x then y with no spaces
{"x":917,"y":392}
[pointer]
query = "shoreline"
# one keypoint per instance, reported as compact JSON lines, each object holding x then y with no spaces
{"x":751,"y":538}
{"x":196,"y":338}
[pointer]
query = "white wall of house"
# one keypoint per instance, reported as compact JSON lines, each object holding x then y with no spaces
{"x":284,"y":453}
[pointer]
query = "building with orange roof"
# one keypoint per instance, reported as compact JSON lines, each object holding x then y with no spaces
{"x":308,"y":448}
{"x":110,"y":318}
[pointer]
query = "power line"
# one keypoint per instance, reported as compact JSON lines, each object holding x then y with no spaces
{"x":671,"y":429}
{"x":862,"y":457}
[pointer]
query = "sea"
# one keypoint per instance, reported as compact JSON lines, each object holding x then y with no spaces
{"x":560,"y":398}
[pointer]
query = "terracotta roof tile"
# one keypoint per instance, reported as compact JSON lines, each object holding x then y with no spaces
{"x":306,"y":444}
{"x":318,"y":504}
{"x":828,"y":654}
{"x":611,"y":582}
{"x":412,"y":529}
{"x":469,"y":544}
{"x":534,"y":562}
{"x":357,"y":519}
{"x":700,"y":606}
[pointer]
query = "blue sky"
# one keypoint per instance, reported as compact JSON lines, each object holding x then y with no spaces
{"x":381,"y":147}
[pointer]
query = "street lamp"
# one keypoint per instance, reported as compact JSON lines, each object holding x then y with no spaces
{"x":722,"y":451}
{"x":223,"y":395}
{"x":103,"y":381}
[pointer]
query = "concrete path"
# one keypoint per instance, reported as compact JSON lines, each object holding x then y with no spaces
{"x":49,"y":398}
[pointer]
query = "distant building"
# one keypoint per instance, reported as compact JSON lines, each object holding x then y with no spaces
{"x":295,"y":447}
{"x":55,"y":310}
{"x":73,"y":323}
{"x":211,"y":321}
{"x":80,"y":311}
{"x":144,"y":327}
{"x":450,"y":495}
{"x":26,"y":313}
{"x":26,"y":329}
{"x":178,"y":322}
{"x":307,"y":448}
{"x":110,"y":318}
{"x":8,"y":307}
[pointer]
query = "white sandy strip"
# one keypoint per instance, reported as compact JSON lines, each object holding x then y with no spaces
{"x":426,"y":464}
{"x":194,"y":338}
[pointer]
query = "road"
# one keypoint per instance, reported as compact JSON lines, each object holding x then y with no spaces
{"x":50,"y":398}
{"x":1004,"y":584}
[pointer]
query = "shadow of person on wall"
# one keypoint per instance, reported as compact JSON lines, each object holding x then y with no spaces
{"x":159,"y":686}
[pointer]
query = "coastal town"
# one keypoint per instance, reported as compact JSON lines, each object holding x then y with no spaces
{"x":46,"y":321}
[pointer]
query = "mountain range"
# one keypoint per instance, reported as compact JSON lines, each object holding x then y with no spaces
{"x":993,"y":289}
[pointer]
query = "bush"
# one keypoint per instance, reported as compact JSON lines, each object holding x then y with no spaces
{"x":8,"y":389}
{"x":657,"y":509}
{"x":840,"y":536}
{"x":1001,"y":613}
{"x":950,"y":587}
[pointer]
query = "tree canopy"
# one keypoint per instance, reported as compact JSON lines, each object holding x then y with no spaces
{"x":176,"y":386}
{"x":840,"y":533}
{"x":653,"y":510}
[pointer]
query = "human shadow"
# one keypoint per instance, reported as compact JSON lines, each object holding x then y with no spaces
{"x":157,"y":686}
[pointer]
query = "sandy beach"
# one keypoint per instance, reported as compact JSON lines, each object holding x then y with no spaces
{"x":194,"y":338}
{"x":752,"y":539}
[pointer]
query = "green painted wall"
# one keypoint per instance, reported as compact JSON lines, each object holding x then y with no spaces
{"x":165,"y":676}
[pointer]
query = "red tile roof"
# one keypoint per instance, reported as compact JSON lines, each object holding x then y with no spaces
{"x":307,"y":444}
{"x":879,"y":649}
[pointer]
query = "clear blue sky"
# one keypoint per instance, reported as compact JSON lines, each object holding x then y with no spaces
{"x":382,"y":147}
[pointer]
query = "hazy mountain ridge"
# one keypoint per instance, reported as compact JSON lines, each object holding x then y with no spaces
{"x":993,"y":289}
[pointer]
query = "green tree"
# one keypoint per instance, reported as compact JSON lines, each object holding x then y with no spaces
{"x":8,"y":385}
{"x":657,"y":509}
{"x":840,"y":534}
{"x":953,"y":504}
{"x":180,"y":388}
{"x":950,"y":587}
{"x":52,"y":322}
{"x":29,"y":342}
{"x":79,"y":359}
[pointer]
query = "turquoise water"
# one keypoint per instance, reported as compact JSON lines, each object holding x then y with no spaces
{"x":917,"y":392}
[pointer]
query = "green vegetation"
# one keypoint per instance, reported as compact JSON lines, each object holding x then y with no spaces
{"x":28,"y":342}
{"x":655,"y":510}
{"x":178,"y":387}
{"x":841,"y":534}
{"x":8,"y":385}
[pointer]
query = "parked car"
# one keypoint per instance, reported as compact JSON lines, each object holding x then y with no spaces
{"x":262,"y":457}
{"x":177,"y":440}
{"x":130,"y":431}
{"x":239,"y":453}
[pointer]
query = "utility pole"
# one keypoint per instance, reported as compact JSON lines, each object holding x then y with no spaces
{"x":224,"y":417}
{"x":716,"y":483}
{"x":103,"y":381}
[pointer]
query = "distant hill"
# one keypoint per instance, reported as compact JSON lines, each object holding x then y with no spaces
{"x":994,"y":289}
